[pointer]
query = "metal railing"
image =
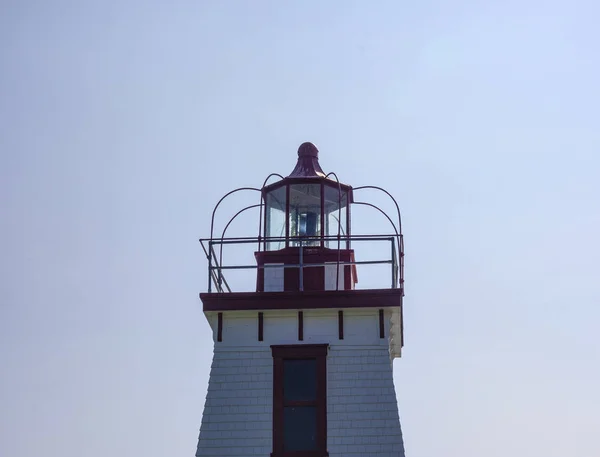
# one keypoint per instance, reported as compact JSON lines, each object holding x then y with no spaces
{"x":216,"y":267}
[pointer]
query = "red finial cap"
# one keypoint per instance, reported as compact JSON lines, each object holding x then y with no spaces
{"x":308,"y":150}
{"x":308,"y":163}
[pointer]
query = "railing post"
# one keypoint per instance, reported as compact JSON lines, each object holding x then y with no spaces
{"x":394,"y":279}
{"x":219,"y":279}
{"x":217,"y":282}
{"x":301,"y":272}
{"x":209,"y":266}
{"x":401,"y":261}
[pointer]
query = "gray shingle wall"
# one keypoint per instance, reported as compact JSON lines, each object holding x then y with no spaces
{"x":239,"y":404}
{"x":362,"y":412}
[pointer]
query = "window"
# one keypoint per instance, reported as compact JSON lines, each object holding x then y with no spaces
{"x":275,"y":218}
{"x":336,"y":218}
{"x":299,"y":401}
{"x":305,"y":214}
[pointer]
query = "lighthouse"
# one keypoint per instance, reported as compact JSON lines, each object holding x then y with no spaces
{"x":302,"y":363}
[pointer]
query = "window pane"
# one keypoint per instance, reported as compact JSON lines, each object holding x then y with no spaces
{"x":300,"y":428}
{"x":299,"y":380}
{"x":305,"y":214}
{"x":276,"y":203}
{"x":335,"y":215}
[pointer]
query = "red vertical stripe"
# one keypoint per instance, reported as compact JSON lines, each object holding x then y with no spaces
{"x":322,"y":213}
{"x":220,"y":327}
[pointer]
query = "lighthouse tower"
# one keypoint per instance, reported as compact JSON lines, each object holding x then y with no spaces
{"x":302,"y":363}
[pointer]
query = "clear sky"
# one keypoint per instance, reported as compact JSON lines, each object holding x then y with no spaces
{"x":122,"y":122}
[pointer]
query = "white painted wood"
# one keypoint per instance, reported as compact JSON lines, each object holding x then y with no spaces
{"x":273,"y":277}
{"x":331,"y":277}
{"x":362,"y":411}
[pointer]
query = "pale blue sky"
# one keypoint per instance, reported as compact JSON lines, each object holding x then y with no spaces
{"x":122,"y":122}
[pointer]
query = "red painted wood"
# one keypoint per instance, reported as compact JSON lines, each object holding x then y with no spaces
{"x":220,"y":327}
{"x":322,"y":214}
{"x":300,"y":351}
{"x":314,"y":277}
{"x":238,"y":301}
{"x":341,"y":325}
{"x":287,"y":217}
{"x":329,"y":182}
{"x":381,"y":325}
{"x":260,"y":326}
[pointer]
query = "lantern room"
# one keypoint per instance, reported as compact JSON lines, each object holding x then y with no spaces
{"x":307,"y":208}
{"x":305,"y":241}
{"x":306,"y":221}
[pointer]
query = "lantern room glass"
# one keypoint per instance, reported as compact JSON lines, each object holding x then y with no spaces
{"x":275,"y":218}
{"x":336,"y":217}
{"x":315,"y":215}
{"x":305,"y":215}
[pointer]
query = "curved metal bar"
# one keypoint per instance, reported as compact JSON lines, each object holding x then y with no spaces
{"x":389,"y":195}
{"x":212,"y":221}
{"x":382,"y":212}
{"x":267,"y":178}
{"x":236,"y":215}
{"x":400,"y":238}
{"x":262,"y":203}
{"x":337,"y":266}
{"x":225,"y":230}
